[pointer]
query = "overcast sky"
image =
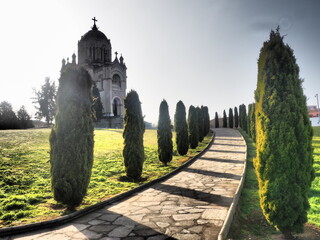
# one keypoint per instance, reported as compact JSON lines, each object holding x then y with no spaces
{"x":201,"y":52}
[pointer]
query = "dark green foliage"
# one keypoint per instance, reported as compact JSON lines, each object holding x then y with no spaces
{"x":71,"y":139}
{"x":206,"y":120}
{"x":133,"y":151}
{"x":252,"y":121}
{"x":8,"y":119}
{"x":45,"y":101}
{"x":243,"y":118}
{"x":24,"y":118}
{"x":216,"y":120}
{"x":164,"y":134}
{"x":236,"y":117}
{"x":181,"y":128}
{"x":230,"y":118}
{"x":240,"y":116}
{"x":193,"y":127}
{"x":284,"y":153}
{"x":97,"y":104}
{"x":200,"y":123}
{"x":225,"y":121}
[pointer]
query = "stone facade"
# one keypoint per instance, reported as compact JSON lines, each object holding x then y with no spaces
{"x":95,"y":55}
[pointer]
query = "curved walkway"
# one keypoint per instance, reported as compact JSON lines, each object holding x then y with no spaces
{"x":193,"y":204}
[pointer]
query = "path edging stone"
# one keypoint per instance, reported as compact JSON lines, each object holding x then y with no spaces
{"x":231,"y":212}
{"x":67,"y":218}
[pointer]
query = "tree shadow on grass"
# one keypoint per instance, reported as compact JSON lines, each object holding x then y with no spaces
{"x":128,"y":179}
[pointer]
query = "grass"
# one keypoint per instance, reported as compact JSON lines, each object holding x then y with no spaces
{"x":25,"y":190}
{"x":314,"y":194}
{"x":249,"y":222}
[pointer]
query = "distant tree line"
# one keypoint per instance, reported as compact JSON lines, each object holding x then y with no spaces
{"x":11,"y":120}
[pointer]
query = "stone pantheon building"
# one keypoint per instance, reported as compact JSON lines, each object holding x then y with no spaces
{"x":95,"y":55}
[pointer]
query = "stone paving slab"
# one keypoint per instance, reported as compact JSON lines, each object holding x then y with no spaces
{"x":192,"y":204}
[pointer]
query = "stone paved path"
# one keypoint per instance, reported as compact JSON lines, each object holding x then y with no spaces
{"x":190,"y":205}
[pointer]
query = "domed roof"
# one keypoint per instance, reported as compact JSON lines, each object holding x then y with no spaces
{"x":94,"y":34}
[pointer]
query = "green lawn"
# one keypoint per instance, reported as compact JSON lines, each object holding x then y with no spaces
{"x":314,"y":195}
{"x":249,"y":222}
{"x":25,"y":193}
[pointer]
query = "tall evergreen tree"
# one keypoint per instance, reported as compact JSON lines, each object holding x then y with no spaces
{"x":200,"y":123}
{"x":97,"y":104}
{"x":133,"y":151}
{"x":225,"y":120}
{"x":206,"y":120}
{"x":216,"y":120}
{"x":252,"y":121}
{"x":24,"y":118}
{"x":245,"y":119}
{"x":284,"y":152}
{"x":236,"y":117}
{"x":193,"y":127}
{"x":71,"y":139}
{"x":181,"y":128}
{"x":230,"y":118}
{"x":8,"y":118}
{"x":164,"y":134}
{"x":241,"y":116}
{"x":45,"y":101}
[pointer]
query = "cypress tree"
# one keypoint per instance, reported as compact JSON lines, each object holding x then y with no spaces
{"x":243,"y":118}
{"x":206,"y":119}
{"x":252,"y":121}
{"x":230,"y":118}
{"x":71,"y":139}
{"x":240,"y":116}
{"x":236,"y":117}
{"x":164,"y":134}
{"x":216,"y":120}
{"x":181,"y":128}
{"x":225,"y":121}
{"x":133,"y":151}
{"x":284,"y":153}
{"x":193,"y":127}
{"x":200,"y":123}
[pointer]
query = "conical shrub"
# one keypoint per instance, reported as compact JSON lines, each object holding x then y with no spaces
{"x":133,"y":151}
{"x":230,"y":118}
{"x":71,"y":139}
{"x":236,"y":117}
{"x":225,"y":120}
{"x":284,"y":153}
{"x":181,"y":128}
{"x":193,"y":127}
{"x":216,"y":120}
{"x":164,"y":134}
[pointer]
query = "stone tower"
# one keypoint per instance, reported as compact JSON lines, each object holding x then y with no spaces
{"x":95,"y":55}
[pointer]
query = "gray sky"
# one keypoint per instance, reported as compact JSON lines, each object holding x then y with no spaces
{"x":201,"y":52}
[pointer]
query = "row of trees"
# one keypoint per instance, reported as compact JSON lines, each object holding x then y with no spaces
{"x":11,"y":120}
{"x":187,"y":134}
{"x":234,"y":120}
{"x":71,"y":142}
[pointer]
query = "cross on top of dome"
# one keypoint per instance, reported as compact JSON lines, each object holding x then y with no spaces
{"x":94,"y":23}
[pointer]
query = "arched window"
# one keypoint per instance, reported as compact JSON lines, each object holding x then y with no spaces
{"x":116,"y":81}
{"x":116,"y":106}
